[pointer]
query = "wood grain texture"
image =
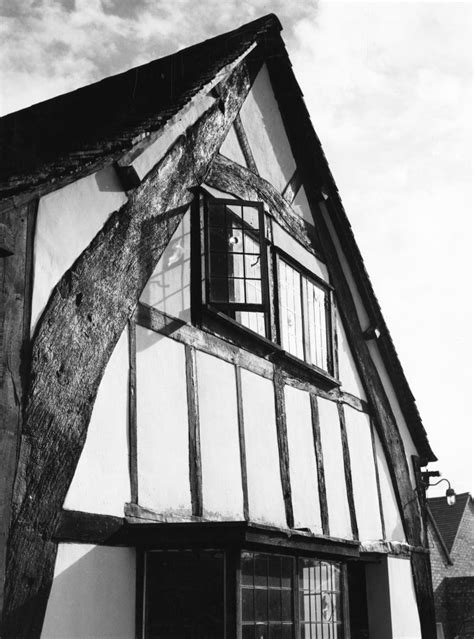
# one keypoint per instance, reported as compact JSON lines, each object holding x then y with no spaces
{"x":282,"y":435}
{"x":377,"y":480}
{"x":15,"y":305}
{"x":132,"y":410}
{"x":318,"y":450}
{"x":244,"y":144}
{"x":348,"y":471}
{"x":195,"y":465}
{"x":291,"y":189}
{"x":243,"y":454}
{"x":84,"y":317}
{"x":230,"y":177}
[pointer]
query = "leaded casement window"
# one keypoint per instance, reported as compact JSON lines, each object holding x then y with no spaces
{"x":246,"y":279}
{"x":247,"y":594}
{"x":305,"y":315}
{"x":234,"y":262}
{"x":285,"y":597}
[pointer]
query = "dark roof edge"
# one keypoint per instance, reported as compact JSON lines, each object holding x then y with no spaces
{"x":320,"y":171}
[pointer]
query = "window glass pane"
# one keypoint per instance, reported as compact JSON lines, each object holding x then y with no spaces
{"x":314,"y":305}
{"x":236,"y":290}
{"x":291,"y":319}
{"x":248,"y":612}
{"x":274,"y":605}
{"x":216,"y":214}
{"x":254,"y":321}
{"x":252,"y":266}
{"x":254,"y":291}
{"x":218,"y":264}
{"x":218,"y":240}
{"x":247,"y":568}
{"x":319,"y":597}
{"x":286,"y":605}
{"x":176,"y":604}
{"x":219,"y":290}
{"x":236,"y":265}
{"x":251,"y":243}
{"x":234,"y":242}
{"x":261,"y":632}
{"x":261,"y":570}
{"x":274,"y":571}
{"x":286,"y":572}
{"x":261,"y":603}
{"x":248,"y":632}
{"x":251,"y":216}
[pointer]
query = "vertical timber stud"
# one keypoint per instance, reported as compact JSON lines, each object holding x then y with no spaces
{"x":85,"y":315}
{"x":195,"y":469}
{"x":377,"y":479}
{"x":318,"y":450}
{"x":347,"y":470}
{"x":280,"y":413}
{"x":132,"y":410}
{"x":243,"y":455}
{"x":16,"y":271}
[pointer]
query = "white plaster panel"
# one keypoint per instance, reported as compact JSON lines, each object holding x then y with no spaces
{"x":162,"y":424}
{"x":303,"y":469}
{"x":68,"y":219}
{"x":231,"y":148}
{"x":348,"y":375}
{"x":331,"y":443}
{"x":408,"y":444}
{"x":219,"y":431}
{"x":364,"y":481}
{"x":301,"y":206}
{"x":93,"y":593}
{"x":391,"y":513}
{"x":266,"y":133}
{"x":404,"y":611}
{"x":168,"y":289}
{"x":101,"y":483}
{"x":283,"y":240}
{"x":263,"y":466}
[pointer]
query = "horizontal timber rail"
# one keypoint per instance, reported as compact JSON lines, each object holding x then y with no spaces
{"x":209,"y":343}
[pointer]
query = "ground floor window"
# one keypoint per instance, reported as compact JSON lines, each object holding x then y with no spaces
{"x":193,"y":594}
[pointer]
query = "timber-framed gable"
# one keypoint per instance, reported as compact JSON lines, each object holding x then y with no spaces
{"x":213,"y":322}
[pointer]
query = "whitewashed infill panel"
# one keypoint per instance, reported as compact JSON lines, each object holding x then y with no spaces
{"x":101,"y":483}
{"x":350,"y":380}
{"x":220,"y":447}
{"x":301,"y":206}
{"x":231,"y":149}
{"x":162,"y":425}
{"x":97,"y":579}
{"x":303,"y":470}
{"x":263,"y":466}
{"x":266,"y":134}
{"x":404,"y":610}
{"x":169,"y":287}
{"x":391,"y":514}
{"x":75,"y":214}
{"x":364,"y":480}
{"x":331,"y":444}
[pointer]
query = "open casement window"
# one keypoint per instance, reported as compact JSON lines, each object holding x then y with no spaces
{"x":305,"y":315}
{"x":234,"y":262}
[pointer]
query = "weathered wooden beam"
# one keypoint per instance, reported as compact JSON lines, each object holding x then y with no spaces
{"x":243,"y":454}
{"x":230,"y":177}
{"x":73,"y":341}
{"x":195,"y":466}
{"x":132,"y":410}
{"x":346,"y":455}
{"x":244,"y":145}
{"x":318,"y":451}
{"x":15,"y":313}
{"x":291,"y":189}
{"x":282,"y":436}
{"x":88,"y":528}
{"x":377,"y":480}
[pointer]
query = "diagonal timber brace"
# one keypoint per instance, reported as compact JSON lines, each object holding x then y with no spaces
{"x":83,"y":320}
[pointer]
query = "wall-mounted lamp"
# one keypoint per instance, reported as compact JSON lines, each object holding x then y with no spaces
{"x":450,"y":494}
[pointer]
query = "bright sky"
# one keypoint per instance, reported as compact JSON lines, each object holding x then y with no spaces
{"x":389,"y":90}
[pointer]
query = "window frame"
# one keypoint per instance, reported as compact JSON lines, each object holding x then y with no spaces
{"x":206,"y":315}
{"x":221,"y":307}
{"x":280,"y":255}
